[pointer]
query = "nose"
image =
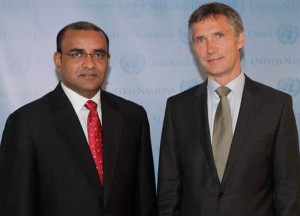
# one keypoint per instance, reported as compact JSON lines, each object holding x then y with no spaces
{"x":88,"y":62}
{"x":211,"y":47}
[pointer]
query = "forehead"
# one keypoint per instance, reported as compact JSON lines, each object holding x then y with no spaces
{"x":84,"y":39}
{"x":219,"y":22}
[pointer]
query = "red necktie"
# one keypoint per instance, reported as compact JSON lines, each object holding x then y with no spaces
{"x":95,"y":136}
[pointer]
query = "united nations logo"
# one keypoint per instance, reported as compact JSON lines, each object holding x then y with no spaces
{"x":17,"y":65}
{"x":133,"y":63}
{"x":134,"y":8}
{"x":238,"y":5}
{"x":186,"y":84}
{"x":290,"y":86}
{"x":287,"y":34}
{"x":184,"y":34}
{"x":14,"y":8}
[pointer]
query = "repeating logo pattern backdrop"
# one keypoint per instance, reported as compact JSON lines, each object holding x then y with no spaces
{"x":151,"y":56}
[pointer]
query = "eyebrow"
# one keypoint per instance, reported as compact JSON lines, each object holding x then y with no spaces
{"x":198,"y":37}
{"x":82,"y":50}
{"x":213,"y":33}
{"x":76,"y":50}
{"x":100,"y":50}
{"x":219,"y":32}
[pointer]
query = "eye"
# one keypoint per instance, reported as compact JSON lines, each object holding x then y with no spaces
{"x":76,"y":54}
{"x":199,"y":40}
{"x":219,"y":35}
{"x":99,"y":55}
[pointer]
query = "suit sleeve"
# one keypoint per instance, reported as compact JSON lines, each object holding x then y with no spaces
{"x":169,"y":174}
{"x":286,"y":171}
{"x":17,"y":175}
{"x":146,"y":192}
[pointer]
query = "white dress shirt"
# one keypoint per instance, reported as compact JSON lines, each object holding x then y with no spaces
{"x":82,"y":112}
{"x":235,"y":97}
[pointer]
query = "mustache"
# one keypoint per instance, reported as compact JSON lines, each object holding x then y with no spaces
{"x":89,"y":72}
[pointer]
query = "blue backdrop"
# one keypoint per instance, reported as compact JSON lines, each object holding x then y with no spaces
{"x":150,"y":54}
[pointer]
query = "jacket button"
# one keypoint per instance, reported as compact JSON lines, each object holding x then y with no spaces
{"x":221,"y":194}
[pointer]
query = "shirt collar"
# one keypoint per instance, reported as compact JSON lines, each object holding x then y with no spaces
{"x":236,"y":86}
{"x":77,"y":100}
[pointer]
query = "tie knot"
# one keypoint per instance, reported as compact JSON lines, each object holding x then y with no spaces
{"x":223,"y":91}
{"x":91,"y":105}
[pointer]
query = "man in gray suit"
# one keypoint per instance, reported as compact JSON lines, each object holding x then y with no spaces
{"x":235,"y":154}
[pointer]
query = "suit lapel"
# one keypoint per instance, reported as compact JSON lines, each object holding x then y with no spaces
{"x":113,"y":122}
{"x":68,"y":126}
{"x":249,"y":105}
{"x":201,"y":115}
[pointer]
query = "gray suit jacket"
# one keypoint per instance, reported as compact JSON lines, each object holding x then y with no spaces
{"x":262,"y":176}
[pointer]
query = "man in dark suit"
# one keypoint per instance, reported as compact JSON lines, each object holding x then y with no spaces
{"x":46,"y":165}
{"x":243,"y":161}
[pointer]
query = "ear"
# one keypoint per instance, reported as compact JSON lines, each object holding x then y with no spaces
{"x":57,"y":61}
{"x":241,"y":40}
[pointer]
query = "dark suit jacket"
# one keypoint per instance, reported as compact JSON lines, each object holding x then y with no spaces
{"x":262,"y":176}
{"x":46,"y":168}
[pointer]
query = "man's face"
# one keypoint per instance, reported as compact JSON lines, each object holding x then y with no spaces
{"x":84,"y":75}
{"x":217,"y":48}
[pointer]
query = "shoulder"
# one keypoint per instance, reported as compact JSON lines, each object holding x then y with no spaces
{"x":32,"y":111}
{"x":32,"y":108}
{"x":267,"y":92}
{"x":189,"y":94}
{"x":28,"y":116}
